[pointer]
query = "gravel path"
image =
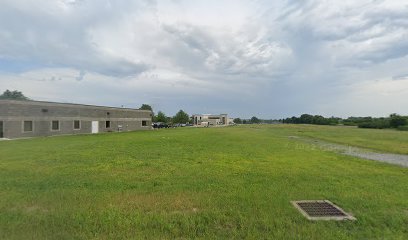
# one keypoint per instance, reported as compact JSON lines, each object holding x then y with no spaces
{"x":398,"y":159}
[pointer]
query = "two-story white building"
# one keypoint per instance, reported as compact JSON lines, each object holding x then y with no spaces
{"x":210,"y":119}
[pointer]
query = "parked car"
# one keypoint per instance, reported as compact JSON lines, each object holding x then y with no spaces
{"x":160,"y":125}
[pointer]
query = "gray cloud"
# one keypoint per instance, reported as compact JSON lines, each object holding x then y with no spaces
{"x":271,"y":59}
{"x":60,"y":35}
{"x":400,"y":77}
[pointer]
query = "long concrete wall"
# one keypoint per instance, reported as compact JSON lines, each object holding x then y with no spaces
{"x":14,"y":113}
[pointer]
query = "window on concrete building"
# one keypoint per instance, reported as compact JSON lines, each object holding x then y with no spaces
{"x":28,"y":126}
{"x":107,"y":124}
{"x":55,"y":125}
{"x":144,"y":123}
{"x":1,"y":129}
{"x":77,"y":124}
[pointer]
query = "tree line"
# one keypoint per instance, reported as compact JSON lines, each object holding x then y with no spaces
{"x":181,"y":116}
{"x":312,"y":119}
{"x":392,"y":121}
{"x":255,"y":120}
{"x":13,"y":95}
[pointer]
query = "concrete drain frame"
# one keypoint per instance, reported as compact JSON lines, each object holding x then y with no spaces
{"x":321,"y":210}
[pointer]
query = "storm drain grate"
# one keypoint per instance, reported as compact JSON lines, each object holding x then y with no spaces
{"x":321,"y":210}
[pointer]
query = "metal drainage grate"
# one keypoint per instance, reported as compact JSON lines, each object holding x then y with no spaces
{"x":321,"y":210}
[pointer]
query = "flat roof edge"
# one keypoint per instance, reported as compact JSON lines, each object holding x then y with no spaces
{"x":72,"y":104}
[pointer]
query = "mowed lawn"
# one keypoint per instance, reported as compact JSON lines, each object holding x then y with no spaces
{"x":209,"y":183}
{"x":387,"y":140}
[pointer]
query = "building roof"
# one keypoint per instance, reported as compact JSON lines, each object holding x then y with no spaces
{"x":207,"y":114}
{"x":45,"y":103}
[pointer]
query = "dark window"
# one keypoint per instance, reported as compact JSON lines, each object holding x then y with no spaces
{"x":1,"y":129}
{"x":107,"y":124}
{"x":55,"y":125}
{"x":77,"y":124}
{"x":144,"y":123}
{"x":28,"y":126}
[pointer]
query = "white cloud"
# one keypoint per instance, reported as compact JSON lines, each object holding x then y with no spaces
{"x":244,"y":57}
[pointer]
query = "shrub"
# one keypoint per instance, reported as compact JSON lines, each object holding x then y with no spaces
{"x":403,"y":128}
{"x":378,"y":124}
{"x":397,"y":121}
{"x":349,"y":124}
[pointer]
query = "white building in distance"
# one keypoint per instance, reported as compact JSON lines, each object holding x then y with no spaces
{"x":210,"y":120}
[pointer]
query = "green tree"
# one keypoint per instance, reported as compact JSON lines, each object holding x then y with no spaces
{"x":397,"y":120}
{"x":319,"y":120}
{"x":161,"y":117}
{"x":255,"y":120}
{"x":13,"y":95}
{"x":181,"y":117}
{"x":146,"y":107}
{"x":306,"y":118}
{"x":237,"y":120}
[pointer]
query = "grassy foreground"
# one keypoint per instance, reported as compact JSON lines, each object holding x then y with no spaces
{"x":234,"y":182}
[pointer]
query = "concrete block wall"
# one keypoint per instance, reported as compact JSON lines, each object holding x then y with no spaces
{"x":14,"y":113}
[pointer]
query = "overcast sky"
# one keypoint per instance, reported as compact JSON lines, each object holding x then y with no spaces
{"x":270,"y":59}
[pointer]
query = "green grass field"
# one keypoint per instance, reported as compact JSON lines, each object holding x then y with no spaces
{"x":234,"y":182}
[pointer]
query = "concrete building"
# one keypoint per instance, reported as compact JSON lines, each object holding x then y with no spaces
{"x":19,"y":119}
{"x":210,"y":119}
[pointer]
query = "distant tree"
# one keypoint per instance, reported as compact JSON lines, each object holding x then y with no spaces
{"x":244,"y":121}
{"x":237,"y":120}
{"x":378,"y":123}
{"x":397,"y":120}
{"x":306,"y":118}
{"x":319,"y":120}
{"x":146,"y":107}
{"x":270,"y":121}
{"x":255,"y":120}
{"x":334,"y":120}
{"x":161,"y":117}
{"x":181,"y":117}
{"x":355,"y":121}
{"x":13,"y":95}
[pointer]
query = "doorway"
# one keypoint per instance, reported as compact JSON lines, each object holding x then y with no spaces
{"x":95,"y":126}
